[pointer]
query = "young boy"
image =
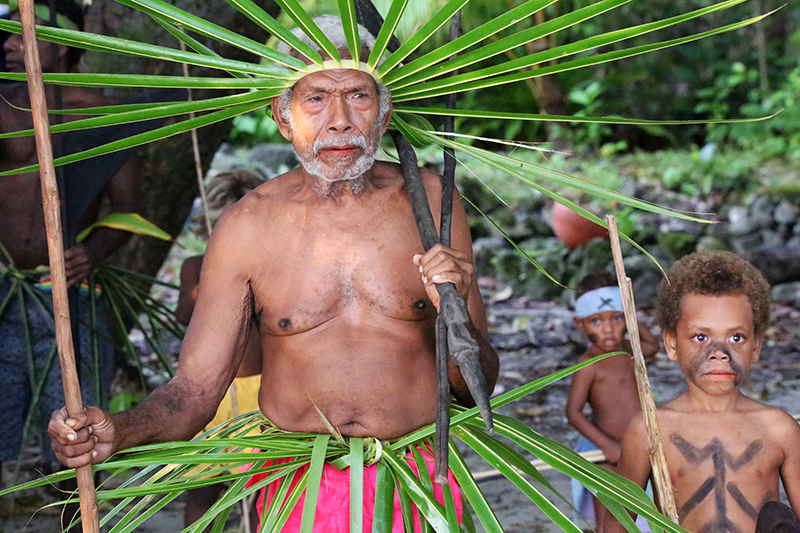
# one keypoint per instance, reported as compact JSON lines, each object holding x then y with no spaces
{"x":609,"y":386}
{"x":726,"y":453}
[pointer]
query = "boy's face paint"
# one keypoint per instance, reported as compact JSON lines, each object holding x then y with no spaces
{"x":605,"y":330}
{"x":714,"y":343}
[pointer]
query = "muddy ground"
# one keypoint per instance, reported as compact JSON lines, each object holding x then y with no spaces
{"x":533,"y":339}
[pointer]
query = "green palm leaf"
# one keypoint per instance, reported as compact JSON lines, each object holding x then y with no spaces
{"x":347,"y":10}
{"x":173,"y":15}
{"x":140,"y":112}
{"x":102,"y":43}
{"x":511,"y":463}
{"x":422,"y":35}
{"x":492,"y":76}
{"x":147,"y":80}
{"x":148,"y":137}
{"x":304,"y":21}
{"x":266,"y":21}
{"x":387,"y":30}
{"x":490,"y":28}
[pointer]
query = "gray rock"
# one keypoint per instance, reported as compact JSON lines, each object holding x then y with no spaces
{"x":771,"y":238}
{"x":679,"y":225}
{"x":742,"y":223}
{"x":738,"y":221}
{"x":786,"y":294}
{"x":273,"y":156}
{"x":786,"y":212}
{"x":711,"y":243}
{"x":779,"y":263}
{"x":747,"y":244}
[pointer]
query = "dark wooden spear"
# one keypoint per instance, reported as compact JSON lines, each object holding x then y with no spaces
{"x":55,"y":247}
{"x":451,"y":324}
{"x":441,"y":438}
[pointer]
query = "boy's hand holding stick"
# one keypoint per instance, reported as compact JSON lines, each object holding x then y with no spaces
{"x":655,"y":445}
{"x":55,"y":245}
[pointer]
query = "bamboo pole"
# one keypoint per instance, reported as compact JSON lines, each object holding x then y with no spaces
{"x":55,"y":247}
{"x":655,"y":445}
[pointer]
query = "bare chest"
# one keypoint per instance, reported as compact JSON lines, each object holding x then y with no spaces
{"x":721,"y":476}
{"x":322,"y":269}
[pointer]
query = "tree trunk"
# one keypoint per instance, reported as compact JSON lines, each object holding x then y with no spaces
{"x":168,"y":178}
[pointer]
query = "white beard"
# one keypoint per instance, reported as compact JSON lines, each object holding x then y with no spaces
{"x":329,"y":177}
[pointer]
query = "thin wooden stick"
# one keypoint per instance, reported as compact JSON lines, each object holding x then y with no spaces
{"x":55,"y":247}
{"x":655,"y":446}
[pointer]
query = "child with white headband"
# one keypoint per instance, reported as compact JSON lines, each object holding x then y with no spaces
{"x":608,"y":386}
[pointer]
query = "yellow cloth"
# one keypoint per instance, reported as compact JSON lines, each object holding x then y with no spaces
{"x":246,"y":396}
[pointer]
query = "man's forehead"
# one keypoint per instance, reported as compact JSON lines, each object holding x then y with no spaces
{"x":338,"y":79}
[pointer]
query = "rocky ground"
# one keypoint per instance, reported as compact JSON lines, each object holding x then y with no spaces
{"x":534,"y":339}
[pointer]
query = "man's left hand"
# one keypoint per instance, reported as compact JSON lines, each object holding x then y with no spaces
{"x":78,"y":263}
{"x":441,"y":264}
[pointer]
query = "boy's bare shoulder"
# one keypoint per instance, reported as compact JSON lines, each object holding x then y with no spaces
{"x":784,"y":429}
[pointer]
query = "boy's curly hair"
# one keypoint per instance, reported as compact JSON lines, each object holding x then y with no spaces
{"x":712,"y":273}
{"x":594,"y":281}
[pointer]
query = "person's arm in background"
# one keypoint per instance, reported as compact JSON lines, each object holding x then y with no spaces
{"x":650,"y":344}
{"x":578,"y":396}
{"x":123,"y":194}
{"x":190,"y":281}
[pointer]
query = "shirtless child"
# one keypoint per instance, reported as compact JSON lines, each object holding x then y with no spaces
{"x":609,"y":386}
{"x":726,"y":453}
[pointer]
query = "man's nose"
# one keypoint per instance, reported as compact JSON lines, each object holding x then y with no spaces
{"x":339,"y":120}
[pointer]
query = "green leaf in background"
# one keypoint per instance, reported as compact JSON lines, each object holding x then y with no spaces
{"x":132,"y":222}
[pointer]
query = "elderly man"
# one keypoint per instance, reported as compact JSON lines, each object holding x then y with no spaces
{"x":22,"y":234}
{"x":325,"y":261}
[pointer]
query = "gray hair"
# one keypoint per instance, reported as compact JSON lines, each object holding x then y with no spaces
{"x":333,"y":29}
{"x":331,"y":26}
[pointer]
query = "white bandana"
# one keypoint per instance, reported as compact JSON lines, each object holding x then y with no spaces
{"x":599,"y":300}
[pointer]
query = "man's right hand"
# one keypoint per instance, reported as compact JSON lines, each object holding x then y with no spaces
{"x":82,"y":439}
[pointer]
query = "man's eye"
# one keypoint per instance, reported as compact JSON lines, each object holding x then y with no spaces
{"x":700,"y":337}
{"x":736,"y":337}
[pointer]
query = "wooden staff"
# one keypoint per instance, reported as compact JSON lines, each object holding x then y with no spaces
{"x":655,"y":446}
{"x":55,"y":247}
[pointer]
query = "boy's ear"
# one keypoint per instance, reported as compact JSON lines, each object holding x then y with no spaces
{"x":757,"y":348}
{"x":671,"y":345}
{"x":283,"y":126}
{"x":579,"y":323}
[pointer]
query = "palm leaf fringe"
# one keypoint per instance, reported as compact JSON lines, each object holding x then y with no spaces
{"x":249,"y":444}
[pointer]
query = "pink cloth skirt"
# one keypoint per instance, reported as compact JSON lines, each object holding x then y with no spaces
{"x":333,"y":502}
